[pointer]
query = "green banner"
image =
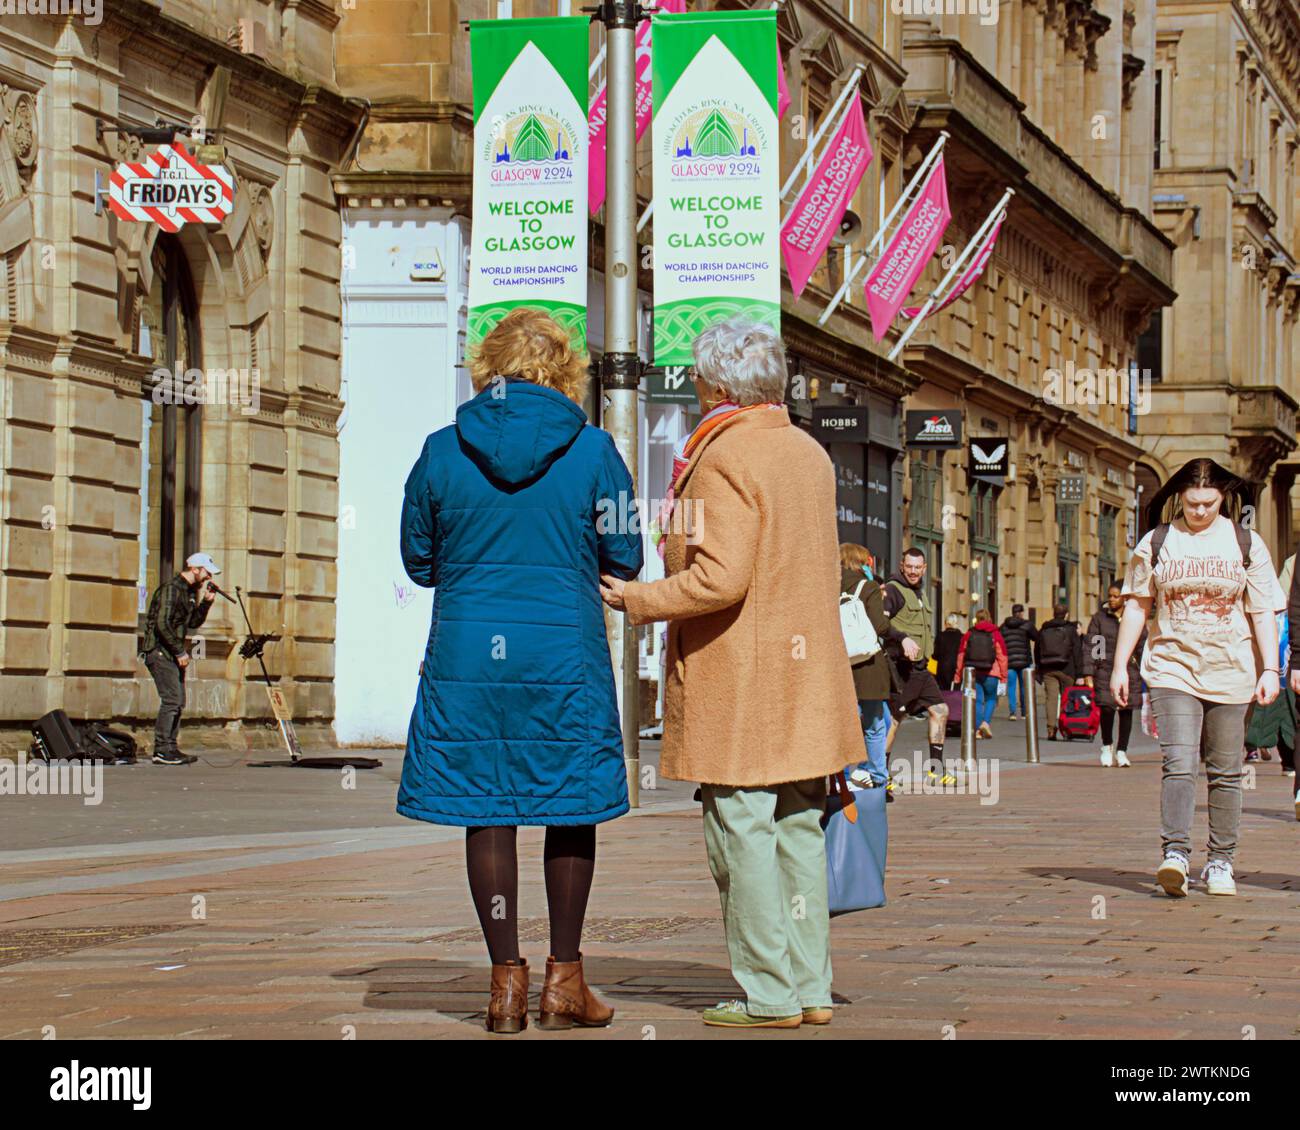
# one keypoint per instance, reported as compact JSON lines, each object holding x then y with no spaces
{"x":529,"y":241}
{"x":716,"y":175}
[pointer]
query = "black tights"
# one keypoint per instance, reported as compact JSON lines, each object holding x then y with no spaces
{"x":570,"y":861}
{"x":1125,"y":726}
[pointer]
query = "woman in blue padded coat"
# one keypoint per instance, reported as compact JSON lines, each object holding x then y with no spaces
{"x":511,"y":515}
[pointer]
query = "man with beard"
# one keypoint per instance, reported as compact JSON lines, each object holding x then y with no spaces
{"x":908,"y":605}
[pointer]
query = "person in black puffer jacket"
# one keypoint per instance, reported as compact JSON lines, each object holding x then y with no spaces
{"x":1019,"y":635}
{"x":1098,"y":661}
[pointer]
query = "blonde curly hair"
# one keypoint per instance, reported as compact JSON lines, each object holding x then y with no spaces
{"x":531,"y":345}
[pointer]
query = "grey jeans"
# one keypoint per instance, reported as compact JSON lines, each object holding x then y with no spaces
{"x":1185,"y":724}
{"x":169,"y":678}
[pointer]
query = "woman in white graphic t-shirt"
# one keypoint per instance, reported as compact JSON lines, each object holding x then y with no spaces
{"x":1211,"y":651}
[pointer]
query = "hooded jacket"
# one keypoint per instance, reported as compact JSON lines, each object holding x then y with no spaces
{"x":1019,"y":635}
{"x":511,"y":515}
{"x":998,"y":670}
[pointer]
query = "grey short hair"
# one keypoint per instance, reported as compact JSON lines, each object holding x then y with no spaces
{"x":746,"y":358}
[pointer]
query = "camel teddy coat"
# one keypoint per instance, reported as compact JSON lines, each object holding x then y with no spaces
{"x":758,"y":690}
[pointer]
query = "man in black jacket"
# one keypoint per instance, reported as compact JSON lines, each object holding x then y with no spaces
{"x":178,"y":606}
{"x":1019,"y":635}
{"x":1057,"y":656}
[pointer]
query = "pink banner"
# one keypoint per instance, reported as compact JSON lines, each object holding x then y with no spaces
{"x":782,"y":87}
{"x":969,"y":275}
{"x":599,"y":112}
{"x":821,"y":206}
{"x":892,"y":278}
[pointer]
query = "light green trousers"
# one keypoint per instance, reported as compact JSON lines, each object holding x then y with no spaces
{"x":768,"y":857}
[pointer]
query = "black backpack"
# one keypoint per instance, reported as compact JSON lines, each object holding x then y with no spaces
{"x":980,"y":652}
{"x":1161,"y":532}
{"x":1056,"y":644}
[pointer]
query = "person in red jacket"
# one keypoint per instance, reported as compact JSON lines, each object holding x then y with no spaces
{"x":985,"y":651}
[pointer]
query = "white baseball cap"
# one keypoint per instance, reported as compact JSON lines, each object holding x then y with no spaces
{"x":202,"y":561}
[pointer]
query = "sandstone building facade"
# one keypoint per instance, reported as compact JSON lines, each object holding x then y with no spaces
{"x":104,"y":486}
{"x":1228,"y":89}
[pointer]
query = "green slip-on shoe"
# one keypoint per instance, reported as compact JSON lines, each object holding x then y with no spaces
{"x":734,"y":1014}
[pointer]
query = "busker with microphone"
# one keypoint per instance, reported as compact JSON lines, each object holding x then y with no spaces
{"x":178,"y":606}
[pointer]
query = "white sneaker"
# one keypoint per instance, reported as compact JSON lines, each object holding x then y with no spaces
{"x":1172,"y":875}
{"x":1121,"y":759}
{"x":1106,"y":757}
{"x":1218,"y":877}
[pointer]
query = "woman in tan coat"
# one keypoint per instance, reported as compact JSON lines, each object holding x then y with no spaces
{"x":759,"y":704}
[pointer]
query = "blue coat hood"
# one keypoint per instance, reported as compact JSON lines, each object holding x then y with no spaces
{"x":507,"y":515}
{"x":515,"y":431}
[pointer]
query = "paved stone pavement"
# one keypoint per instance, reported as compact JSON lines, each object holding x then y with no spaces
{"x":222,"y":901}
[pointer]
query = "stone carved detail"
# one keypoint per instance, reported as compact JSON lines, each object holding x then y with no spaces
{"x":18,"y":124}
{"x":129,"y":147}
{"x":262,"y":211}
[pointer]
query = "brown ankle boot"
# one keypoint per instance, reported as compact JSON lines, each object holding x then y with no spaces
{"x":567,"y":1001}
{"x":508,"y":1008}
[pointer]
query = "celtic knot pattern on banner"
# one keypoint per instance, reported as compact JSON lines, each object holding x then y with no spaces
{"x":483,"y":319}
{"x":679,"y":324}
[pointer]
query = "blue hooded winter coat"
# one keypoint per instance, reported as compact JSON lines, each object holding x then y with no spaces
{"x":512,"y":514}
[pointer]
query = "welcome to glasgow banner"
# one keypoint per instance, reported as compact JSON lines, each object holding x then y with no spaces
{"x":716,"y":170}
{"x":530,"y":172}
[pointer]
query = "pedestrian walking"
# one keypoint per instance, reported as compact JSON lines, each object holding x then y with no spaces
{"x":1057,"y":658}
{"x":1020,"y":635}
{"x":945,"y":651}
{"x":1212,"y":587}
{"x":873,"y":678}
{"x":1098,"y":661}
{"x":178,"y":606}
{"x":908,"y":605}
{"x":512,"y":513}
{"x":759,"y":704}
{"x":1290,"y":584}
{"x":985,"y":652}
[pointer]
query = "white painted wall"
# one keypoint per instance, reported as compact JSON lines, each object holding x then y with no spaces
{"x":402,"y":344}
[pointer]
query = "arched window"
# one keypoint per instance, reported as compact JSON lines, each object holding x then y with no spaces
{"x":171,"y":447}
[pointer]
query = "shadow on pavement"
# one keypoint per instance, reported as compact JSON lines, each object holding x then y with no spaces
{"x":458,"y":988}
{"x":1143,"y":882}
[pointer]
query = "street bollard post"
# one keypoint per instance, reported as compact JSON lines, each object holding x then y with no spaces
{"x":968,"y":718}
{"x":1031,"y":717}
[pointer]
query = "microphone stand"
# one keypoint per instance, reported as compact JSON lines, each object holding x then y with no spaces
{"x":252,"y":648}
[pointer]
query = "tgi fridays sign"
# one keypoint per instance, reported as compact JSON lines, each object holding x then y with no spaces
{"x":171,"y":189}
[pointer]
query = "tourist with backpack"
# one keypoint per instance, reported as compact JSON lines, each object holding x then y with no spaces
{"x":1098,"y":662}
{"x":866,"y":627}
{"x":985,"y":652}
{"x":1057,"y":657}
{"x":1211,"y":586}
{"x":1020,"y":636}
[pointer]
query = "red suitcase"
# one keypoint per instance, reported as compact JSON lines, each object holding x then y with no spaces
{"x":1080,"y":716}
